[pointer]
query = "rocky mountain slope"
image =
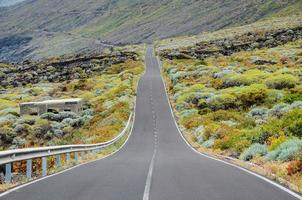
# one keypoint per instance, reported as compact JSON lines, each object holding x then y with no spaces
{"x":41,"y":28}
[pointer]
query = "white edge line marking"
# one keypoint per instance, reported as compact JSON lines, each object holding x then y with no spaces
{"x":86,"y":163}
{"x":294,"y":194}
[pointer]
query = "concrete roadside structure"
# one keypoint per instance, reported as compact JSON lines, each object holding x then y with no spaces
{"x":38,"y":108}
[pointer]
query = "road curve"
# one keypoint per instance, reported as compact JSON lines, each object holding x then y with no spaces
{"x":155,"y":164}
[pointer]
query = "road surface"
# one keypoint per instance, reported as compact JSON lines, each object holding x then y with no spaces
{"x":155,"y":164}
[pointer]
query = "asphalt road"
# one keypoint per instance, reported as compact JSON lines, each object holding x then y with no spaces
{"x":155,"y":164}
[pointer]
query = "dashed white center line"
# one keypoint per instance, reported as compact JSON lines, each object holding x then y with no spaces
{"x":150,"y":172}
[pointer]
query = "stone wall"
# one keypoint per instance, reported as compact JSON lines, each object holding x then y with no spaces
{"x":228,"y":46}
{"x":56,"y":70}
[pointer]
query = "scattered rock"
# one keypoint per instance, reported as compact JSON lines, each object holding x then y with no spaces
{"x":56,"y":70}
{"x":228,"y":46}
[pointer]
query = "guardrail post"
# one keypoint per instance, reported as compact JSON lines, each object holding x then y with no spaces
{"x":44,"y":166}
{"x":88,"y":154}
{"x":68,"y":157}
{"x":76,"y":157}
{"x":94,"y":153}
{"x":29,"y":168}
{"x":83,"y":155}
{"x":8,"y":173}
{"x":58,"y":160}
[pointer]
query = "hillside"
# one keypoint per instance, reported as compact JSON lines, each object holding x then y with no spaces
{"x":237,"y":93}
{"x":40,"y":28}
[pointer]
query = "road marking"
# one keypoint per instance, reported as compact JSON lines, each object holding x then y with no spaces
{"x":294,"y":194}
{"x":151,"y":167}
{"x":149,"y":177}
{"x":69,"y":169}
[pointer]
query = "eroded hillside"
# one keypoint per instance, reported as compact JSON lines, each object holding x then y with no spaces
{"x":37,"y":29}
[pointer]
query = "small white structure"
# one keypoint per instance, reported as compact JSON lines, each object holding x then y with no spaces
{"x":38,"y":108}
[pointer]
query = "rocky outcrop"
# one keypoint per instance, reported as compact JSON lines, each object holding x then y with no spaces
{"x":228,"y":46}
{"x":59,"y":69}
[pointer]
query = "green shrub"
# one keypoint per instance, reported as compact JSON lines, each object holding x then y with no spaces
{"x":293,"y":122}
{"x":276,"y":142}
{"x":194,"y":88}
{"x":223,"y":73}
{"x":291,"y":98}
{"x":7,"y":135}
{"x":192,"y":97}
{"x":273,"y":128}
{"x":252,"y":95}
{"x":255,"y":149}
{"x":286,"y":151}
{"x":222,"y":101}
{"x":247,"y":78}
{"x":41,"y":127}
{"x":282,"y":81}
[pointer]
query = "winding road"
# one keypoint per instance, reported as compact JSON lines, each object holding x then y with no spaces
{"x":155,"y":163}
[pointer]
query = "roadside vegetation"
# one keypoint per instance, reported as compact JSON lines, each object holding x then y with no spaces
{"x":247,"y":105}
{"x":108,"y":97}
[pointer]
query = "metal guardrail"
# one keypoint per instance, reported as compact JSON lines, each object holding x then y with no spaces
{"x":10,"y":156}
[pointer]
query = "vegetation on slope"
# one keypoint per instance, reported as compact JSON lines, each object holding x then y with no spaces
{"x":109,"y":99}
{"x":247,"y":105}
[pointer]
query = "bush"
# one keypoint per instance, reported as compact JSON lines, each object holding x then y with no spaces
{"x":73,"y":122}
{"x":259,"y":113}
{"x":209,"y":143}
{"x":7,"y":135}
{"x":296,"y":104}
{"x":255,"y":149}
{"x":223,"y":101}
{"x":19,"y":142}
{"x":273,"y":128}
{"x":291,"y":98}
{"x":286,"y":151}
{"x":295,"y":166}
{"x":41,"y":127}
{"x":231,"y":138}
{"x":252,"y":95}
{"x":63,"y":115}
{"x":188,"y":113}
{"x":59,"y":117}
{"x":22,"y":128}
{"x":8,"y":119}
{"x":87,"y":112}
{"x":49,"y":116}
{"x":177,"y":76}
{"x":30,"y":120}
{"x":223,"y":73}
{"x":293,"y":122}
{"x":282,"y":81}
{"x":279,"y":109}
{"x":276,"y":142}
{"x":247,"y":78}
{"x":192,"y":97}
